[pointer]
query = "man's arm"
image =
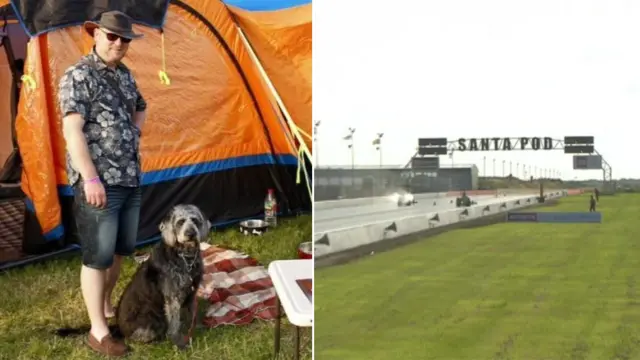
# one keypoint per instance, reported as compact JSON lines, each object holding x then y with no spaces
{"x":77,"y":146}
{"x":74,"y":102}
{"x":140,"y":114}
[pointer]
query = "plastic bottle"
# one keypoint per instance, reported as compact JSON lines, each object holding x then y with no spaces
{"x":270,"y":209}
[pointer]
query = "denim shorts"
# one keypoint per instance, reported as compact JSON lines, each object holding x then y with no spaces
{"x":112,"y":230}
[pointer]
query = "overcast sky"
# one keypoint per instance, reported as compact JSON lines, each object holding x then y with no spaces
{"x":468,"y":68}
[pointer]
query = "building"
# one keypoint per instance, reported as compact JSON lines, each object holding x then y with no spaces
{"x":333,"y":183}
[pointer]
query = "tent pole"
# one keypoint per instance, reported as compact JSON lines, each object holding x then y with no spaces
{"x":273,"y":90}
{"x":285,"y":112}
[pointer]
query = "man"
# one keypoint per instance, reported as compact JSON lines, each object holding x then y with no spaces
{"x":592,"y":204}
{"x":102,"y":113}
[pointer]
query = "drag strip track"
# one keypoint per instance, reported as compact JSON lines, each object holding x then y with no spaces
{"x":344,"y":217}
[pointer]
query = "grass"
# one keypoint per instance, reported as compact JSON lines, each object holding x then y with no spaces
{"x":506,"y":291}
{"x":36,"y":300}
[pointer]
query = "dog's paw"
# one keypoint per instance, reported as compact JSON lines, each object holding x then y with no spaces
{"x":180,"y":341}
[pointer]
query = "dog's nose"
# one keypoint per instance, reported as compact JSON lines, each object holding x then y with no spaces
{"x":191,"y":232}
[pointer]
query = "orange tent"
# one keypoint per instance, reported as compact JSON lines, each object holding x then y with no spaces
{"x":228,"y":125}
{"x":282,"y":42}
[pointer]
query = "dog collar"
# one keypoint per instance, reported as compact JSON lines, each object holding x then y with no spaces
{"x":188,"y":263}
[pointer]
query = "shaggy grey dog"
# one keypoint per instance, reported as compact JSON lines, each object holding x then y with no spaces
{"x":165,"y":285}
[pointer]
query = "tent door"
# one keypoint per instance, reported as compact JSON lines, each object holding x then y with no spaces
{"x":11,"y":170}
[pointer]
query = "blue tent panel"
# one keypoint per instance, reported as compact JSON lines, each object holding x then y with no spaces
{"x":266,"y":5}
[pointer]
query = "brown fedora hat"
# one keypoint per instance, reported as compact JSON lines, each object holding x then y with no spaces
{"x":116,"y":22}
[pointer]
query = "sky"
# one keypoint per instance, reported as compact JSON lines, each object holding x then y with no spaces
{"x":472,"y":69}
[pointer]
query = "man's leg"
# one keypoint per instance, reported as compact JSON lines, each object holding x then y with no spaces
{"x":97,"y":229}
{"x":111,"y":278}
{"x":92,"y":285}
{"x":129,"y":218}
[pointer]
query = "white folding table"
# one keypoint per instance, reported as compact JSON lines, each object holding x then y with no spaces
{"x":290,"y":297}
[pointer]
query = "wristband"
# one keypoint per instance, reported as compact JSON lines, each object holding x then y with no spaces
{"x":95,"y":180}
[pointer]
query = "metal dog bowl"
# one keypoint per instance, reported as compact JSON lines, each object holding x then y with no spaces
{"x":253,"y":227}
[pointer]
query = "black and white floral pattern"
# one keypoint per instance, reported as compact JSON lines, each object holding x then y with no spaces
{"x":112,"y":136}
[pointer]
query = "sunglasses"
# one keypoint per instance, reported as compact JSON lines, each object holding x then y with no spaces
{"x":113,"y":38}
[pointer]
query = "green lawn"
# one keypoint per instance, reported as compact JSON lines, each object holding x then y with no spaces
{"x":36,"y":300}
{"x":506,"y":291}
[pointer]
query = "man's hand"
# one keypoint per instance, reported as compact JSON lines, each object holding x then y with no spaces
{"x":95,"y":194}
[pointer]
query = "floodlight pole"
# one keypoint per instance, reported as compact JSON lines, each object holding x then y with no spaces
{"x":379,"y":138}
{"x":484,"y":166}
{"x":353,"y":157}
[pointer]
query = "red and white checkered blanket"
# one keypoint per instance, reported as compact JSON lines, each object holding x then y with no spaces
{"x":238,"y":289}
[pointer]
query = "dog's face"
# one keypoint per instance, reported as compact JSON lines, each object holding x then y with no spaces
{"x":184,"y":228}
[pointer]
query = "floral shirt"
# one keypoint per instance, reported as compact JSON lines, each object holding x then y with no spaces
{"x":110,"y":131}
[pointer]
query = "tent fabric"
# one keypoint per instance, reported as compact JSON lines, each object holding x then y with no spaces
{"x":215,"y":117}
{"x":40,"y":16}
{"x":11,"y":36}
{"x":282,"y":41}
{"x":6,"y":142}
